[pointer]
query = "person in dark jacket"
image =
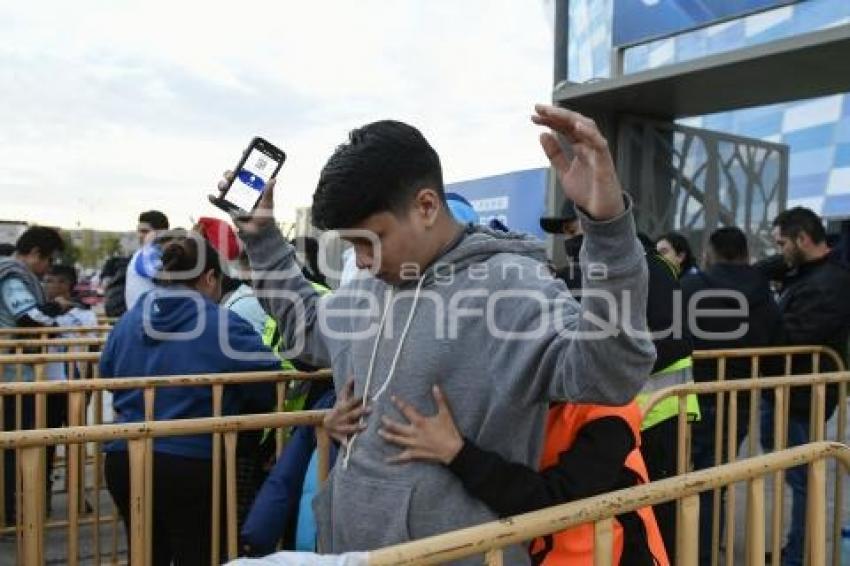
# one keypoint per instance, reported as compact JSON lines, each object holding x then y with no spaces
{"x":815,"y":310}
{"x":676,"y":249}
{"x":659,"y":429}
{"x":750,"y":319}
{"x":673,"y":347}
{"x":178,"y":329}
{"x":567,"y":225}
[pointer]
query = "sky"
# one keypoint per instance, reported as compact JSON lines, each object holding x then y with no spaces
{"x":109,"y":108}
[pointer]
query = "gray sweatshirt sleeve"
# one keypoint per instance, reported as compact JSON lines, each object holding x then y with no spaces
{"x":286,"y":295}
{"x":601,"y":351}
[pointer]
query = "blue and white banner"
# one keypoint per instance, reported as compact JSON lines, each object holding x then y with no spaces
{"x":640,"y":20}
{"x":517,"y":199}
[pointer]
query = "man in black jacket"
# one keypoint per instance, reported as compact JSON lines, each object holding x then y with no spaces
{"x":568,"y":226}
{"x":673,"y":346}
{"x":815,"y":309}
{"x":750,"y":319}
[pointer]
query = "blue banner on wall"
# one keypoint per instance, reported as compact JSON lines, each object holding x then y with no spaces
{"x":640,"y":20}
{"x":518,"y":199}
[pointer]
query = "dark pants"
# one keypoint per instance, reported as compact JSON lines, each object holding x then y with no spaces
{"x":182,"y":506}
{"x":9,"y":460}
{"x":659,"y":446}
{"x":796,"y":478}
{"x":702,"y":453}
{"x":57,"y":417}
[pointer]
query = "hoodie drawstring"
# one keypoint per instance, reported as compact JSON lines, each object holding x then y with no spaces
{"x":350,"y":445}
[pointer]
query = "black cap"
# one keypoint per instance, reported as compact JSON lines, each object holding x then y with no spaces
{"x":554,"y":224}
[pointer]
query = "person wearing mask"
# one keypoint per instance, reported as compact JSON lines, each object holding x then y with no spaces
{"x":150,"y":340}
{"x":659,"y":439}
{"x":747,"y":317}
{"x":387,"y":180}
{"x":814,"y":307}
{"x":676,"y":249}
{"x":568,"y":226}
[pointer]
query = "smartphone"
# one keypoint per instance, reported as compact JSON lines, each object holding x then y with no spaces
{"x":260,"y":163}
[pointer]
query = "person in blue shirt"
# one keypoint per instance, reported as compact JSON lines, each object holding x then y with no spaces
{"x":178,"y":328}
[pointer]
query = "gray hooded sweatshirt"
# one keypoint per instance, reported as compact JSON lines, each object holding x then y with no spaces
{"x":490,"y":326}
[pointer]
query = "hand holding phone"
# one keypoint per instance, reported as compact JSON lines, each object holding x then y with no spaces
{"x":246,"y":193}
{"x":263,"y":213}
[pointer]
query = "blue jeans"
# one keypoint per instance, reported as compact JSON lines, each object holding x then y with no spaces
{"x":796,"y":478}
{"x":702,"y":454}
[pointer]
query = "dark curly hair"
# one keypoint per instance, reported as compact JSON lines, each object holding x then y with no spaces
{"x":381,"y":168}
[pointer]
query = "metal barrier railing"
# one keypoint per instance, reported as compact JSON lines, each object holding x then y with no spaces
{"x":30,"y":445}
{"x":781,"y":387}
{"x":490,"y":539}
{"x":49,"y":331}
{"x":41,"y":388}
{"x":26,"y":345}
{"x":77,"y":392}
{"x":758,"y":359}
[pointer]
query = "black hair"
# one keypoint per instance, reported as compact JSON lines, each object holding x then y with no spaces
{"x":66,"y":272}
{"x":47,"y":240}
{"x":156,"y":219}
{"x":181,"y":258}
{"x":794,"y":221}
{"x":681,"y":246}
{"x":6,"y":249}
{"x":729,"y":244}
{"x":380,"y":169}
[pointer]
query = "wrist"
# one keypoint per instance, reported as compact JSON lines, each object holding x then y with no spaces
{"x":606,"y":211}
{"x":453,"y":448}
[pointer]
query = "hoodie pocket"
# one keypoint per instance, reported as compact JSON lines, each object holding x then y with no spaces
{"x":367,"y":514}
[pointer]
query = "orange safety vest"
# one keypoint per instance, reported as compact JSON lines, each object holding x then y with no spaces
{"x":575,"y":546}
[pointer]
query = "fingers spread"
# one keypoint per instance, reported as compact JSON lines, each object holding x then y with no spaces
{"x":399,"y":439}
{"x":350,"y":403}
{"x":348,"y":389}
{"x":440,"y":399}
{"x":409,"y":411}
{"x":588,"y":133}
{"x":396,"y":427}
{"x":557,"y":118}
{"x":400,"y":458}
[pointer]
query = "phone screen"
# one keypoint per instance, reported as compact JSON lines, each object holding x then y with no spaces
{"x":251,"y":179}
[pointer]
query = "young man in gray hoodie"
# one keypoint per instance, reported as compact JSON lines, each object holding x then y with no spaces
{"x":473,"y":311}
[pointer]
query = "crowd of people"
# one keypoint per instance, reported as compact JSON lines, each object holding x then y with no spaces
{"x":471,"y":380}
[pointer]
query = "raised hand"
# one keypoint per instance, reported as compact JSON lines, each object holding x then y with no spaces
{"x":588,"y":178}
{"x":261,"y":216}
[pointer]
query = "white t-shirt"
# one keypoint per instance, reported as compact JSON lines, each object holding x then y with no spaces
{"x":57,"y":371}
{"x":140,"y":272}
